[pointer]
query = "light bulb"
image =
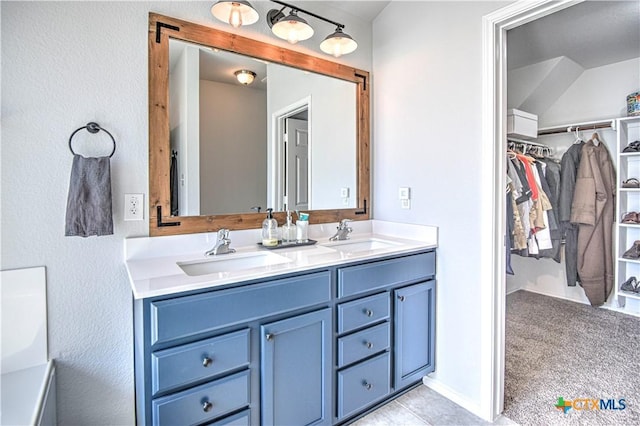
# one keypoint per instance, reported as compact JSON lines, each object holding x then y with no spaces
{"x":292,"y":37}
{"x":235,"y":16}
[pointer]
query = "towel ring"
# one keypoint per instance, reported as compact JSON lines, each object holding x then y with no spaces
{"x":93,"y":128}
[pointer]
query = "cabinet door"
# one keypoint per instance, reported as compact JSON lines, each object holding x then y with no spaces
{"x":414,"y":332}
{"x":296,"y":370}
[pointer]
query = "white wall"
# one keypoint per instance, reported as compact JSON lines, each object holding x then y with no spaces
{"x":599,"y":93}
{"x":332,"y":129}
{"x":427,"y":135}
{"x":65,"y":64}
{"x":233,"y":148}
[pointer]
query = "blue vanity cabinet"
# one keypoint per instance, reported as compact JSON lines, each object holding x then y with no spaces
{"x":385,"y":330}
{"x":414,"y":327}
{"x":198,"y":354}
{"x":296,"y":370}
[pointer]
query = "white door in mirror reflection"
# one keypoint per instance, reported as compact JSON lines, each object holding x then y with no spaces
{"x":297,"y":164}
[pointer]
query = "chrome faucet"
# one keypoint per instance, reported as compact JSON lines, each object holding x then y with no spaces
{"x":222,"y":244}
{"x":343,"y":231}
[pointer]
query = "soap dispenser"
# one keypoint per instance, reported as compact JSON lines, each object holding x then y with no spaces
{"x":269,"y":230}
{"x":288,"y":231}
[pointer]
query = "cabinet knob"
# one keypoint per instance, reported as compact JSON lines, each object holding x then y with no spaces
{"x":368,"y":312}
{"x":206,"y":361}
{"x":401,"y":298}
{"x":369,"y":345}
{"x":207,"y":406}
{"x":367,"y":385}
{"x":269,"y":336}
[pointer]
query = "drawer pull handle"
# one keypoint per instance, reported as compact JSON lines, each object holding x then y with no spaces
{"x":207,"y":406}
{"x":369,"y":345}
{"x":368,"y":312}
{"x":401,"y":298}
{"x":367,"y":385}
{"x":206,"y":361}
{"x":269,"y":336}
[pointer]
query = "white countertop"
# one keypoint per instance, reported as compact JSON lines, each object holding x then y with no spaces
{"x":153,"y":262}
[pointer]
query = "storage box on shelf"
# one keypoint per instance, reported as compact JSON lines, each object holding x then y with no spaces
{"x":628,"y":200}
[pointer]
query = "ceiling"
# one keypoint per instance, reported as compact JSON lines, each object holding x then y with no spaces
{"x":591,"y":33}
{"x":366,"y":10}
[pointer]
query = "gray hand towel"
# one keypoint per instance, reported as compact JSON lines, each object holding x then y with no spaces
{"x":89,"y":202}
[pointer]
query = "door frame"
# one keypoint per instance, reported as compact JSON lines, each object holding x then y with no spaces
{"x":494,"y":142}
{"x":275,"y":188}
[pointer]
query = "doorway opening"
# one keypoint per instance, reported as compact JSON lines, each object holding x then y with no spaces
{"x":291,"y":173}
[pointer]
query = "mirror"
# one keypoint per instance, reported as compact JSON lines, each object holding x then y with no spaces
{"x":257,"y":137}
{"x":248,"y":164}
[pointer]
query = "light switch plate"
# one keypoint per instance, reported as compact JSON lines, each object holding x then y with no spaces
{"x":404,"y":193}
{"x":344,"y":192}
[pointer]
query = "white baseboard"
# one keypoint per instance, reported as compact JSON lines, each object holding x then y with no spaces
{"x":608,"y":307}
{"x":453,"y":396}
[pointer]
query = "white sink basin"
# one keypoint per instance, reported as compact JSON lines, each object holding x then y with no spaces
{"x":360,"y":246}
{"x":232,"y":263}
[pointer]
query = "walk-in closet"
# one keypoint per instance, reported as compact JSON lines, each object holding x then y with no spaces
{"x":573,"y":223}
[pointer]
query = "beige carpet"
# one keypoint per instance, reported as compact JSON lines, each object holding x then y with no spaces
{"x":556,"y":348}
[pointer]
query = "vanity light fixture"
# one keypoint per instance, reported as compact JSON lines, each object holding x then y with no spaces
{"x":338,"y":43}
{"x":292,"y":28}
{"x":236,"y":12}
{"x":245,"y":77}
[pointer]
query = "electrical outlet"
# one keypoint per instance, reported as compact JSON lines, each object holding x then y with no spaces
{"x":133,"y":206}
{"x":405,"y":204}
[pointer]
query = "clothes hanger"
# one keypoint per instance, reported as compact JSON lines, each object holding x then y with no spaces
{"x":578,"y":136}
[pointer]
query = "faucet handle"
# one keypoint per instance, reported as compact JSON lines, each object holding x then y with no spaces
{"x":223,"y":234}
{"x":343,"y":223}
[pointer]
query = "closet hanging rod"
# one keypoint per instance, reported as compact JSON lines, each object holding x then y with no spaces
{"x":522,"y":141}
{"x":591,"y":125}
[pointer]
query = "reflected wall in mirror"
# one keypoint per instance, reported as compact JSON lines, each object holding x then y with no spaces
{"x":286,"y":140}
{"x":297,"y":137}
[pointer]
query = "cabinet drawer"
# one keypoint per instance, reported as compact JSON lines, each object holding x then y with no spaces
{"x":242,"y":418}
{"x":203,"y":403}
{"x":362,"y":384}
{"x":371,"y":276}
{"x":362,"y":344}
{"x":171,"y":368}
{"x":190,"y":315}
{"x":361,"y":312}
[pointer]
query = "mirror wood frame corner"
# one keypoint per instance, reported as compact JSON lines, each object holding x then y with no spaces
{"x":161,"y":29}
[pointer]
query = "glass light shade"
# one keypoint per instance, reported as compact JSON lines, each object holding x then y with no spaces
{"x":245,"y":77}
{"x":338,"y":44}
{"x":236,"y":13}
{"x":292,"y":28}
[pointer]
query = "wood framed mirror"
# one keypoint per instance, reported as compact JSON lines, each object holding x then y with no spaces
{"x":167,"y":219}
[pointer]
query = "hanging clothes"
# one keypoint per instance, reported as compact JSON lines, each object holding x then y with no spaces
{"x":592,"y":209}
{"x":568,"y":172}
{"x":533,"y":230}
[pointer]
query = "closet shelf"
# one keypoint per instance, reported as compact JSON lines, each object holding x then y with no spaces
{"x":630,"y":154}
{"x":622,"y":259}
{"x":629,"y":189}
{"x":628,"y":294}
{"x":628,"y":225}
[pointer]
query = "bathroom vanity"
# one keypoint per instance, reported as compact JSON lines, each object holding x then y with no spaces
{"x":303,"y":335}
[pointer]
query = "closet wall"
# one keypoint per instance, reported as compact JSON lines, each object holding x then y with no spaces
{"x":597,"y":94}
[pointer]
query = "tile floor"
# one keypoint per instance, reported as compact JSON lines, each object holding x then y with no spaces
{"x":423,"y":406}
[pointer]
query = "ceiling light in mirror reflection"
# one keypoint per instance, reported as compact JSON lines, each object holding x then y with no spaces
{"x":245,"y":77}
